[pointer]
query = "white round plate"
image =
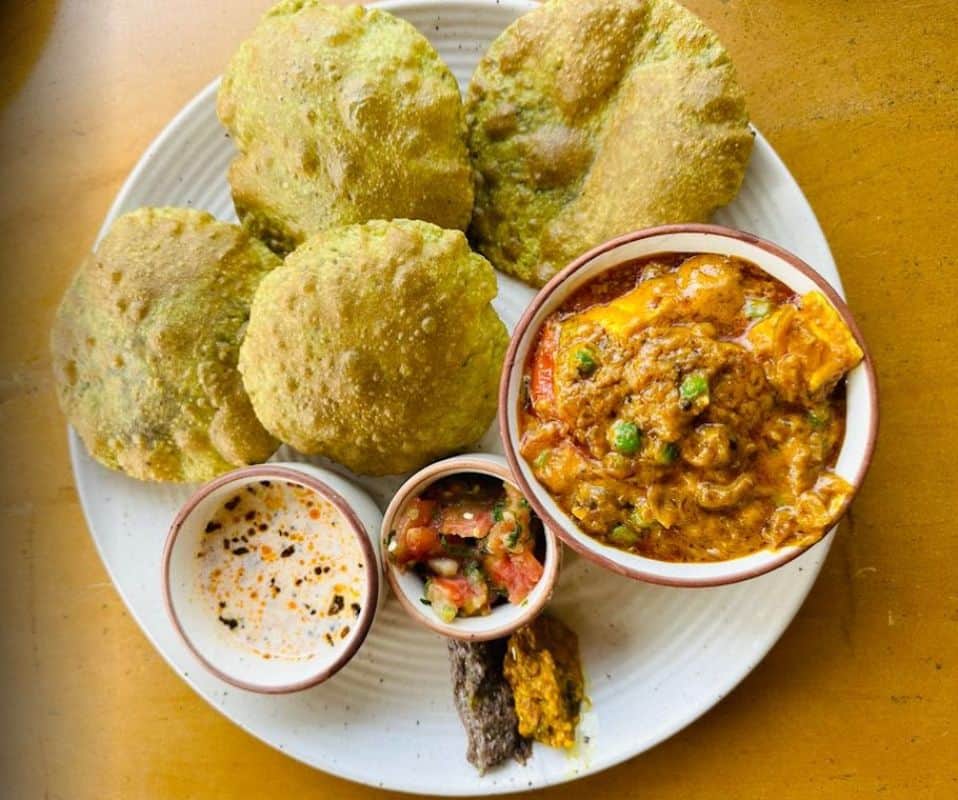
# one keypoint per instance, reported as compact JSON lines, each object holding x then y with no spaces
{"x":655,"y":657}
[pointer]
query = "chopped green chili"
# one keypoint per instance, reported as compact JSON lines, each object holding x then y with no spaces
{"x":818,"y":418}
{"x":757,"y":307}
{"x":542,"y":459}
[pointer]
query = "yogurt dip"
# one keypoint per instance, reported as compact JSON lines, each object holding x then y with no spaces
{"x":282,"y":571}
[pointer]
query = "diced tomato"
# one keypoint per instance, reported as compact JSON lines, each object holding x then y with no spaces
{"x":416,"y":538}
{"x":515,"y":573}
{"x":456,"y":590}
{"x":468,"y":520}
{"x":419,"y":512}
{"x":420,"y":542}
{"x":542,"y":378}
{"x":448,"y":595}
{"x":513,"y":531}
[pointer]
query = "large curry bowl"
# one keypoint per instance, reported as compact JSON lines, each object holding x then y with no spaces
{"x":861,"y":421}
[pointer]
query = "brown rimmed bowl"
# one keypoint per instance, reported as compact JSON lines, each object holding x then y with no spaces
{"x":200,"y":630}
{"x":861,"y":423}
{"x":408,"y":587}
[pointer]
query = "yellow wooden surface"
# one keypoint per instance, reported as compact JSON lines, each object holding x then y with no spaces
{"x":860,"y":697}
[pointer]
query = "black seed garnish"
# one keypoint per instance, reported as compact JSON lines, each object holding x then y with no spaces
{"x":213,"y":526}
{"x":265,"y":483}
{"x":356,"y":608}
{"x":229,"y":622}
{"x":226,"y":544}
{"x":229,"y":505}
{"x":288,"y":551}
{"x":336,"y":606}
{"x":240,"y":551}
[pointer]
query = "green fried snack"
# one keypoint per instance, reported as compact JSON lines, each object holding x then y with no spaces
{"x":376,"y":345}
{"x":145,"y":345}
{"x":589,"y":119}
{"x":342,"y":115}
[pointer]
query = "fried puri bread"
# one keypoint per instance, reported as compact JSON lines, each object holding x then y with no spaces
{"x":593,"y":118}
{"x":342,"y":115}
{"x":376,"y":345}
{"x":145,"y":345}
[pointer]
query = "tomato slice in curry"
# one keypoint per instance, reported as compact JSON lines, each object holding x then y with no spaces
{"x":542,"y":375}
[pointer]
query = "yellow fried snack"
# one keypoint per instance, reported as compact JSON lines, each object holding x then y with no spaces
{"x":145,"y":345}
{"x":593,"y":118}
{"x":542,"y":666}
{"x":342,"y":115}
{"x":376,"y":345}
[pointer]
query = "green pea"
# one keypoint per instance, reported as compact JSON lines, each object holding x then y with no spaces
{"x":585,"y":362}
{"x":623,"y":536}
{"x":695,"y":384}
{"x":757,"y":307}
{"x":638,"y":520}
{"x":626,"y":437}
{"x":669,"y":453}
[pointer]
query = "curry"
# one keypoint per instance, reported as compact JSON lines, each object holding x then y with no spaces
{"x":691,"y":408}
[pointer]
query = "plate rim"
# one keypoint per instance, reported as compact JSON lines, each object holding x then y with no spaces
{"x":599,"y":763}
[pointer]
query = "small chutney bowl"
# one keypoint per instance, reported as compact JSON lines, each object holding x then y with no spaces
{"x":203,"y":632}
{"x":861,"y":422}
{"x":408,"y":586}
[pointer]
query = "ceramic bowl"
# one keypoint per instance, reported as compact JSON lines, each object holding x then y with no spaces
{"x":408,"y":587}
{"x":862,"y":395}
{"x":203,"y":632}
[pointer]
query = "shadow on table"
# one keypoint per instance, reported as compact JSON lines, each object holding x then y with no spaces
{"x":24,"y":29}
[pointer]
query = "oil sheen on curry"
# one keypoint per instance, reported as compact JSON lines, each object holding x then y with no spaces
{"x":690,"y":408}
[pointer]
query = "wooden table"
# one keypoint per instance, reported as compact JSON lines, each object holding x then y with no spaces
{"x":860,"y":697}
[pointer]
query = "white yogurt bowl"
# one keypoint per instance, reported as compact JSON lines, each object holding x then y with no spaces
{"x":353,"y":528}
{"x":861,"y":422}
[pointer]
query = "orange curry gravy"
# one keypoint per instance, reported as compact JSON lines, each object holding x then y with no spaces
{"x":689,"y":408}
